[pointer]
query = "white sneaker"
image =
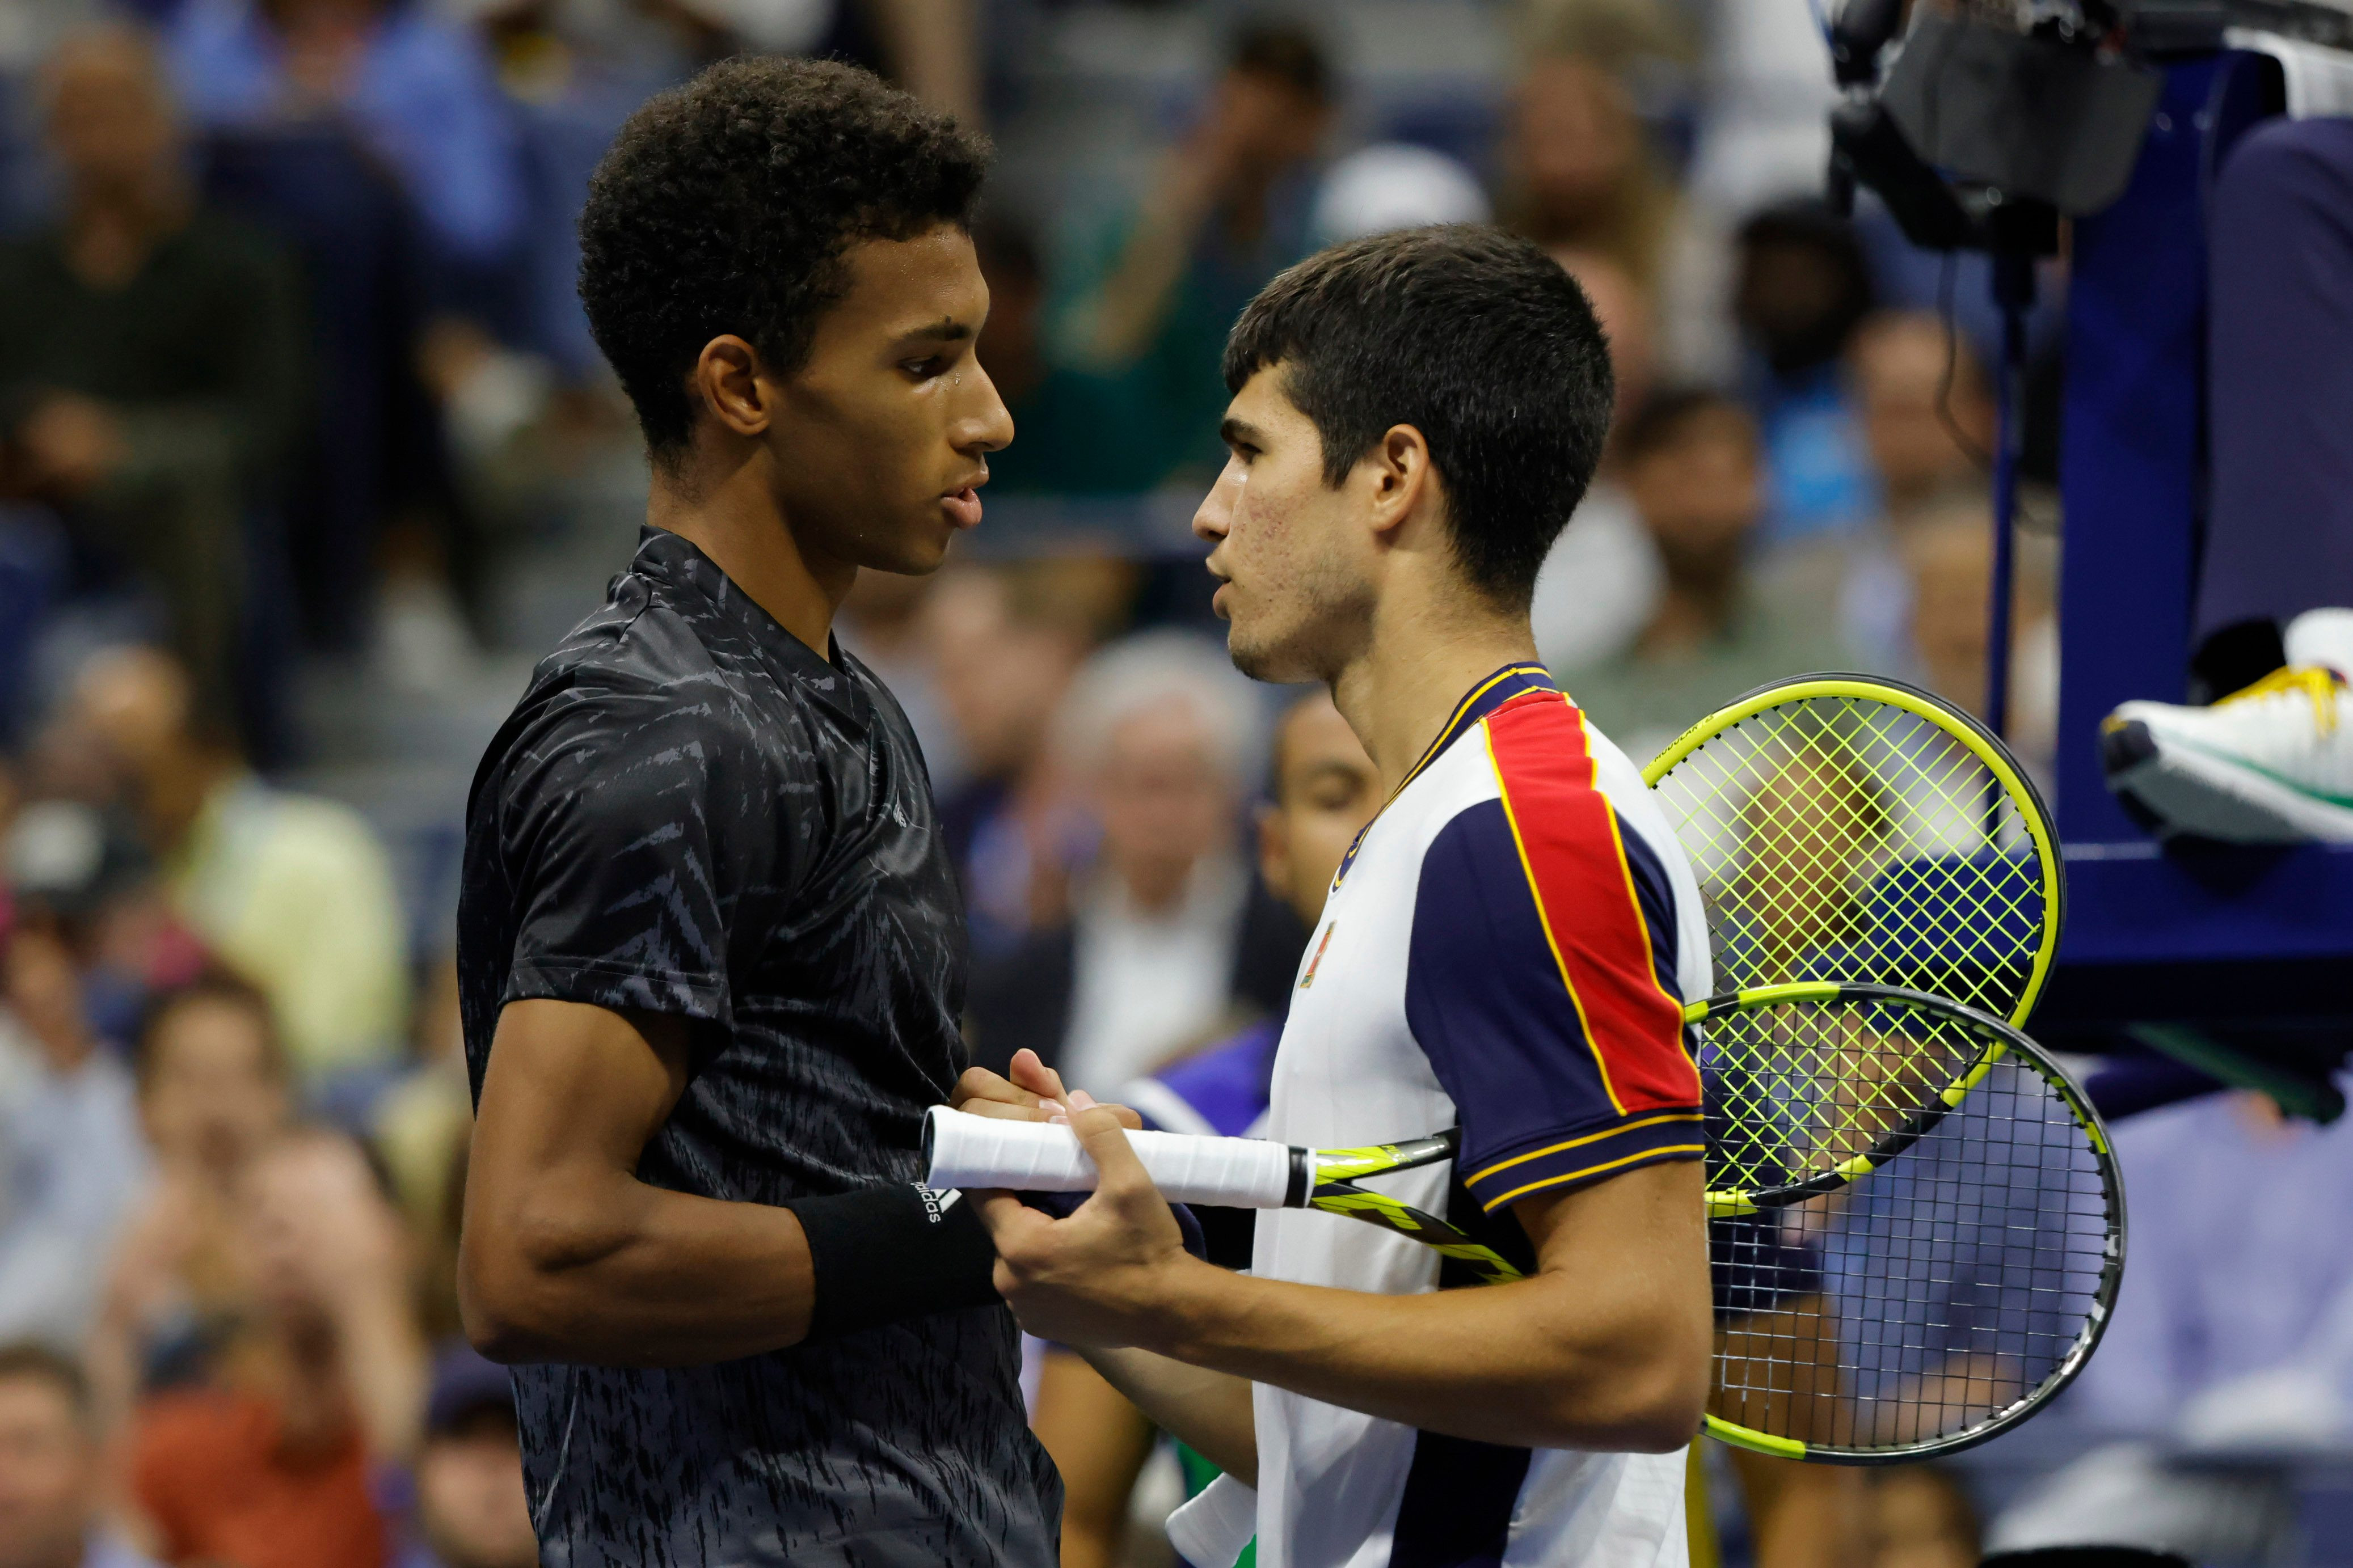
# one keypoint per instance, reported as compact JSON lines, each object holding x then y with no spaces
{"x":2271,"y":764}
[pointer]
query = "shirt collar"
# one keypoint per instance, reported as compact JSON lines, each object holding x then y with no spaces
{"x":699,"y":589}
{"x":1481,"y":700}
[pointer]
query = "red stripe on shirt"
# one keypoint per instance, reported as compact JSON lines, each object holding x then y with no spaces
{"x":1584,"y":889}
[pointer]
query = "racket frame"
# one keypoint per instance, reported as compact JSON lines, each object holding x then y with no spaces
{"x":2034,"y":817}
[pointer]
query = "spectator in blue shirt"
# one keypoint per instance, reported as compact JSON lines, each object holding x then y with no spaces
{"x":416,"y":89}
{"x":74,"y":1159}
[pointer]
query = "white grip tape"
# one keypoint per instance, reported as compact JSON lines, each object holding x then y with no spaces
{"x":968,"y":1151}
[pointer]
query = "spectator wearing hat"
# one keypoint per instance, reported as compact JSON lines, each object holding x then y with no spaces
{"x":471,"y":1512}
{"x":51,"y":1472}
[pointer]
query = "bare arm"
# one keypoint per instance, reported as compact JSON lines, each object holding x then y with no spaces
{"x":934,"y":51}
{"x":565,"y":1254}
{"x":1099,"y":1441}
{"x":1209,"y":1410}
{"x":1605,"y":1347}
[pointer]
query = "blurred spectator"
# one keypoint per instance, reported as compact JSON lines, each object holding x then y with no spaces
{"x":149,"y":359}
{"x":1227,"y":212}
{"x":1392,"y":185}
{"x":883,"y":623}
{"x":1692,"y":463}
{"x":1600,"y":586}
{"x":1927,"y":417}
{"x":471,"y":1512}
{"x":1325,"y":790}
{"x":416,"y":87}
{"x":1948,"y":552}
{"x":69,"y":1129}
{"x":420,"y":1132}
{"x":213,"y":1096}
{"x":271,"y":1464}
{"x":51,"y":1472}
{"x":1075,"y":431}
{"x":1580,"y":174}
{"x":1804,"y":289}
{"x":1157,"y":735}
{"x":1764,"y":131}
{"x":2233,"y":1343}
{"x":1006,"y":644}
{"x":1928,"y":412}
{"x":1920,"y":1517}
{"x":293,"y":890}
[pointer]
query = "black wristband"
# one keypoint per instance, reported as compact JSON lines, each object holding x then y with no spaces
{"x":882,"y":1254}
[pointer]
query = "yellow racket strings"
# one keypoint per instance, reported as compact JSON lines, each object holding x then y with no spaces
{"x":1796,"y":1090}
{"x":1846,"y":838}
{"x":1932,"y":1300}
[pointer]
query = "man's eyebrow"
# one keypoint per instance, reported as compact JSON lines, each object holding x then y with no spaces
{"x":1241,"y":433}
{"x":946,"y":329}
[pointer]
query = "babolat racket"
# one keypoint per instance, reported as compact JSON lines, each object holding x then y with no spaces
{"x":1920,"y":1223}
{"x":1849,"y":829}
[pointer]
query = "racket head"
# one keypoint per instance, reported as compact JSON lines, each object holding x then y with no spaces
{"x":1938,"y":1294}
{"x":1811,"y":1086}
{"x":1844,"y":828}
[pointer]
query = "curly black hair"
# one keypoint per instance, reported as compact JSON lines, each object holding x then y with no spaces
{"x":726,"y":205}
{"x":1477,"y":339}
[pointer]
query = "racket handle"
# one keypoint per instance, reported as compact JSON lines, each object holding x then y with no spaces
{"x":961,"y":1150}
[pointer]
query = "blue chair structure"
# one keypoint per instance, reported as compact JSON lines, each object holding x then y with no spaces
{"x":2259,"y":941}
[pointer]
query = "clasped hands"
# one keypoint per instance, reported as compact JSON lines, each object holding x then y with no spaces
{"x":1116,"y":1272}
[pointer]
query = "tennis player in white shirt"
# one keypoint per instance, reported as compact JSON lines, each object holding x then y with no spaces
{"x":1504,"y":951}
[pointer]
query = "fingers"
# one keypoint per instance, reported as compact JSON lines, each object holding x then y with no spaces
{"x":1031,"y":1071}
{"x":981,"y":1092}
{"x":1008,"y":1219}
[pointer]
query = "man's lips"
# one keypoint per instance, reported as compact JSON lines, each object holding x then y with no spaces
{"x":963,"y":504}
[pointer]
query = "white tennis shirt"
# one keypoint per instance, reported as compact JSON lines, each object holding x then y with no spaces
{"x":1506,"y":950}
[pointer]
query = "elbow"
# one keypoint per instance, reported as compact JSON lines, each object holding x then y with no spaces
{"x":516,"y":1283}
{"x":1665,"y":1409}
{"x":1654,"y":1397}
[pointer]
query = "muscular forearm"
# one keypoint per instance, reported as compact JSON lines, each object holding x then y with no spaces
{"x":620,"y":1273}
{"x":1551,"y":1361}
{"x":1210,"y":1410}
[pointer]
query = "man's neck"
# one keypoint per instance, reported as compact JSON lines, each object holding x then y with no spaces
{"x":177,"y":789}
{"x":731,"y":516}
{"x":1415,"y":669}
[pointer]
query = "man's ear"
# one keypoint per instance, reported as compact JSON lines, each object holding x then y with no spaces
{"x":727,"y":378}
{"x":1403,"y":479}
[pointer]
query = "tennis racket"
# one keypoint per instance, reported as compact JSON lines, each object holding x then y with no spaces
{"x":1849,"y":829}
{"x":1921,"y":1225}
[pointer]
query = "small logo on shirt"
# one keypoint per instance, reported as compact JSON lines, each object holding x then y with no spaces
{"x":1309,"y":978}
{"x":937,"y":1204}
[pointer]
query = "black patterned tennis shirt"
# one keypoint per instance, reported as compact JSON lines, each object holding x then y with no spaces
{"x":692,"y":813}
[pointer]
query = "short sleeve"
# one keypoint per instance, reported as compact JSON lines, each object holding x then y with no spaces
{"x":1540,"y":985}
{"x":613,"y":815}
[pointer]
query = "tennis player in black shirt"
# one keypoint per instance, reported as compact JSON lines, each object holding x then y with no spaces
{"x":709,"y":949}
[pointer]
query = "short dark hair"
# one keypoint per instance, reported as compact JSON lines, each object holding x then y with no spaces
{"x":1475,"y":338}
{"x":35,"y":1363}
{"x":1668,"y":415}
{"x":725,"y":205}
{"x":221,"y":985}
{"x":1286,"y":51}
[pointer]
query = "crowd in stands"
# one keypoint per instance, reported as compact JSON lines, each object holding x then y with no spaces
{"x":292,"y":379}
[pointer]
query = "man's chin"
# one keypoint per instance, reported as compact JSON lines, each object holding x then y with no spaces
{"x":1264,"y":660}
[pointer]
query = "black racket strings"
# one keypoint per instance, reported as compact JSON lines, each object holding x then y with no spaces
{"x":1931,"y":1297}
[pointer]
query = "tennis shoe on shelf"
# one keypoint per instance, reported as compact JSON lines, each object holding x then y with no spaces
{"x":2271,"y":764}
